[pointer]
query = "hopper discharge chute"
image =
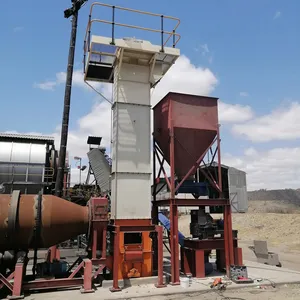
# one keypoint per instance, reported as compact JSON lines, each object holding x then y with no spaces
{"x":195,"y":123}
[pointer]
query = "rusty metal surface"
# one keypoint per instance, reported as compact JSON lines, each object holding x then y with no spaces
{"x":60,"y":221}
{"x":195,"y":123}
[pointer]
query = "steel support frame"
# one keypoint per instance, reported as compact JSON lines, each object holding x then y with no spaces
{"x":116,"y":230}
{"x":71,"y":281}
{"x":19,"y":284}
{"x":17,"y":276}
{"x":173,"y":203}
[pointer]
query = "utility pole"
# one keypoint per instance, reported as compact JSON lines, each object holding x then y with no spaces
{"x":73,"y":11}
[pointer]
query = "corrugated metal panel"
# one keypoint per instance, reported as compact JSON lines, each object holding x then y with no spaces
{"x":100,"y":167}
{"x":238,"y":190}
{"x":27,"y":136}
{"x":22,"y":163}
{"x":12,"y":152}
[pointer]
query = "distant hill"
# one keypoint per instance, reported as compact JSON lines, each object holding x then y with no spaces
{"x":287,"y":195}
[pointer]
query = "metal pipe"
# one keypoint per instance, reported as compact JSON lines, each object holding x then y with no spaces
{"x":219,"y":162}
{"x":162,"y":32}
{"x":113,"y":26}
{"x":66,"y":111}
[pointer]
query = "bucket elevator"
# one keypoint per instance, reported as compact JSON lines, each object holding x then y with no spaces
{"x":133,"y":67}
{"x":122,"y":243}
{"x":129,"y":242}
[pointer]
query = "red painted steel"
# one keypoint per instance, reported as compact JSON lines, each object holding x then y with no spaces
{"x":87,"y":277}
{"x":199,"y":263}
{"x":160,"y":254}
{"x":94,"y":217}
{"x":52,"y":283}
{"x":195,"y":123}
{"x":185,"y":129}
{"x":238,"y":256}
{"x":115,"y":287}
{"x":53,"y":254}
{"x":5,"y":281}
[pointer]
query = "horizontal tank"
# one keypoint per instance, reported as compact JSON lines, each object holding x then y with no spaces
{"x":60,"y":220}
{"x":195,"y":122}
{"x":27,"y":163}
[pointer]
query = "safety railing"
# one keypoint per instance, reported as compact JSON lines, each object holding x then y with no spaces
{"x":170,"y":34}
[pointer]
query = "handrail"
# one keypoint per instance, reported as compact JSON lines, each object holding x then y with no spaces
{"x":176,"y":36}
{"x":139,"y":27}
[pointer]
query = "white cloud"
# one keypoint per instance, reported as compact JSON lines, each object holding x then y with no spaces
{"x":205,"y":52}
{"x":234,"y":113}
{"x":46,"y":85}
{"x":183,"y":77}
{"x":277,"y":15}
{"x":244,"y":94}
{"x":281,"y":124}
{"x":77,"y":81}
{"x":277,"y":168}
{"x":205,"y":49}
{"x":18,"y":28}
{"x":75,"y":176}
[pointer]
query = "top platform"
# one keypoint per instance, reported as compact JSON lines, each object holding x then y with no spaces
{"x":102,"y":53}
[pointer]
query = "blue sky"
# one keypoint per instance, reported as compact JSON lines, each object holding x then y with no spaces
{"x":251,"y":47}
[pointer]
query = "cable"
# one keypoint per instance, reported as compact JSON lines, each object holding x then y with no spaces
{"x":273,"y":284}
{"x":99,"y":93}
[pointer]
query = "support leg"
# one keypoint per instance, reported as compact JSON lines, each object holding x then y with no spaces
{"x":230,"y":236}
{"x":238,"y":256}
{"x":185,"y":255}
{"x":87,"y":277}
{"x":226,"y":242}
{"x":160,"y":251}
{"x":200,"y":265}
{"x":116,"y":287}
{"x":174,"y":245}
{"x":18,"y":279}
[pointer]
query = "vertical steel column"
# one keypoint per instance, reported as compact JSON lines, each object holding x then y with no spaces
{"x":54,"y":253}
{"x":18,"y":279}
{"x":94,"y":245}
{"x":115,"y":287}
{"x":219,"y":162}
{"x":66,"y":111}
{"x":87,"y":277}
{"x":226,"y":240}
{"x":154,"y":212}
{"x":104,"y":237}
{"x":173,"y":208}
{"x":160,"y":251}
{"x":230,"y":236}
{"x":154,"y":207}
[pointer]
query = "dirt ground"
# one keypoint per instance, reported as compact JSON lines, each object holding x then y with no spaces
{"x":280,"y":230}
{"x":278,"y":293}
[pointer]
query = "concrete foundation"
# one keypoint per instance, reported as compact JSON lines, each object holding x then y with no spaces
{"x":132,"y":282}
{"x":263,"y":275}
